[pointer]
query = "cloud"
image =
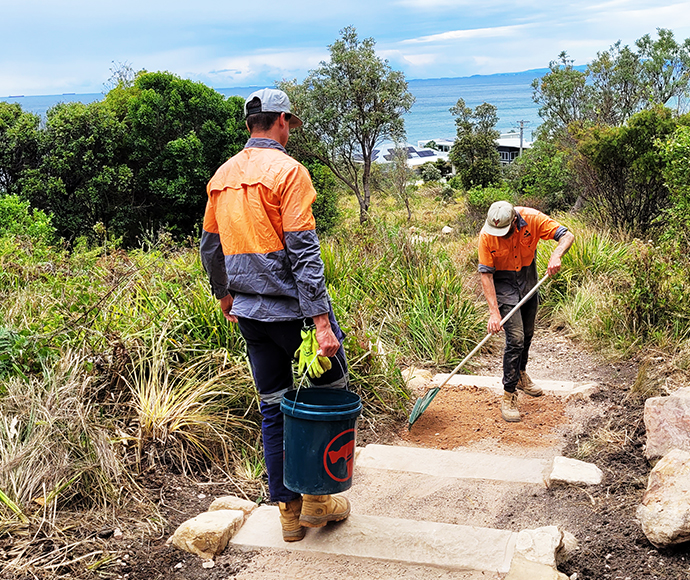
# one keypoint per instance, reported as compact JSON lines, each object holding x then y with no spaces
{"x":498,"y":31}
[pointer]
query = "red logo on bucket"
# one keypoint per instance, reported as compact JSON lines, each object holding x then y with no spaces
{"x":341,"y":447}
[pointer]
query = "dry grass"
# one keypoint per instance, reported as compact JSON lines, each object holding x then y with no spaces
{"x":188,"y":409}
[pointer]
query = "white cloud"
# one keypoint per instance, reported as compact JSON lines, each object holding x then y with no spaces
{"x":498,"y":31}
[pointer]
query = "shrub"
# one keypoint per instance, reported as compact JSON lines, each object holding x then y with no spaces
{"x":429,"y":172}
{"x":325,"y":207}
{"x":479,"y":199}
{"x":17,"y":219}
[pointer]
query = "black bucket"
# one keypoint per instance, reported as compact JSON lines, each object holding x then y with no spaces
{"x":319,"y":439}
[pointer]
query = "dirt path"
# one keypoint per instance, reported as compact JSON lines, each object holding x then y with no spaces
{"x":612,"y":545}
{"x":549,"y":424}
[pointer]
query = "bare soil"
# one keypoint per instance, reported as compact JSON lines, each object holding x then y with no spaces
{"x":607,"y":430}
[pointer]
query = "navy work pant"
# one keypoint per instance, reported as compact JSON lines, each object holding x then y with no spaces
{"x":271,"y":347}
{"x":519,"y":332}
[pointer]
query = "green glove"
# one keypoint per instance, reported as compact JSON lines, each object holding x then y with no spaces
{"x":307,"y":359}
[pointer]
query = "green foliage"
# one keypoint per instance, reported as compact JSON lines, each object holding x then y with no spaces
{"x":675,"y":153}
{"x":349,"y":105}
{"x":429,"y":172}
{"x":18,"y":220}
{"x":325,"y":208}
{"x":617,"y":84}
{"x":620,"y":169}
{"x":83,"y":178}
{"x":137,"y":161}
{"x":656,"y":303}
{"x":474,"y":152}
{"x":179,"y":133}
{"x":543,"y":177}
{"x":479,"y":199}
{"x":19,"y":141}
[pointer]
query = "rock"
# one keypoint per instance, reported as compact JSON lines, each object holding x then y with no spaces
{"x":582,"y":392}
{"x":117,"y":534}
{"x":208,"y":564}
{"x":567,"y":470}
{"x":667,"y":420}
{"x":232,"y":502}
{"x":539,"y":545}
{"x":665,"y":510}
{"x":567,"y":548}
{"x":523,"y":569}
{"x":447,"y":230}
{"x":416,"y":379}
{"x":208,"y":534}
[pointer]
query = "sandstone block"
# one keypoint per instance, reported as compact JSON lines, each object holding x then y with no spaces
{"x":667,"y":420}
{"x":208,"y":534}
{"x":539,"y":545}
{"x":232,"y":502}
{"x":665,"y":510}
{"x":567,"y":470}
{"x":523,"y":569}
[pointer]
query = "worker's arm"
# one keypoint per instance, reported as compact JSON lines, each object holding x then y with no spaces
{"x":555,"y":261}
{"x":494,"y":325}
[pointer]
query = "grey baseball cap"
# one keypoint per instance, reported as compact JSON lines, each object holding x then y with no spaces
{"x":270,"y":101}
{"x":499,"y":218}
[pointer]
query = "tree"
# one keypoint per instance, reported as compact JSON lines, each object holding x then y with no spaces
{"x":617,"y":84}
{"x":82,"y":178}
{"x":19,"y":139}
{"x":474,"y":152}
{"x":615,"y":77}
{"x":349,"y":105}
{"x":400,"y":174}
{"x":137,"y":161}
{"x":562,"y":94}
{"x":665,"y":67}
{"x":179,"y":133}
{"x":675,"y":153}
{"x":620,"y":169}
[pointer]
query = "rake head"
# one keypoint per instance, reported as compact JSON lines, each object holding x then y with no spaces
{"x":420,"y":406}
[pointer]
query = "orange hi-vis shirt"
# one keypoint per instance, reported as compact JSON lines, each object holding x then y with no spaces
{"x":512,"y":261}
{"x":259,"y":241}
{"x":255,"y":197}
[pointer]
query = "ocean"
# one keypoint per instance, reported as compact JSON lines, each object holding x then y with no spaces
{"x":429,"y":118}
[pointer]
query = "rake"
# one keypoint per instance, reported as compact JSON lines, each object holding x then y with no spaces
{"x":423,"y":402}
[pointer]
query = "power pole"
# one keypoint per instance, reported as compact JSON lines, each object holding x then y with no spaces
{"x":522,"y":128}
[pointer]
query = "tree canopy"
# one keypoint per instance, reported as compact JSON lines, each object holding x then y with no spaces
{"x":135,"y":162}
{"x":349,"y":105}
{"x":474,"y":152}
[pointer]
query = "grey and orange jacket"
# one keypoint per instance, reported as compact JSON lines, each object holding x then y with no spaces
{"x":512,"y":261}
{"x":259,"y":240}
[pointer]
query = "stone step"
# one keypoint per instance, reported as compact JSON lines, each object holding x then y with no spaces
{"x":454,"y":464}
{"x":558,"y":388}
{"x":389,"y":539}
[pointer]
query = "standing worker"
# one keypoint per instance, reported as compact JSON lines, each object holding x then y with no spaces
{"x":508,"y":266}
{"x":262,"y":256}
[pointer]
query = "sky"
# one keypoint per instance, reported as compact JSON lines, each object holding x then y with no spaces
{"x":49,"y":47}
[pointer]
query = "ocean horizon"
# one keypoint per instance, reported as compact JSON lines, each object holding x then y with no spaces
{"x":429,"y":118}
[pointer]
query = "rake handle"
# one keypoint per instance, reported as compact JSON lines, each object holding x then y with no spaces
{"x":488,"y":336}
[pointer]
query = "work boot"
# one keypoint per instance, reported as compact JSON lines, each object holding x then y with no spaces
{"x":318,"y":510}
{"x":509,"y":410}
{"x":526,"y":385}
{"x":289,"y":520}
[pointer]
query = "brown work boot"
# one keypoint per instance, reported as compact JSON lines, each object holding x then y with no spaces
{"x":318,"y":510}
{"x":526,"y":385}
{"x":509,"y":410}
{"x":289,"y":520}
